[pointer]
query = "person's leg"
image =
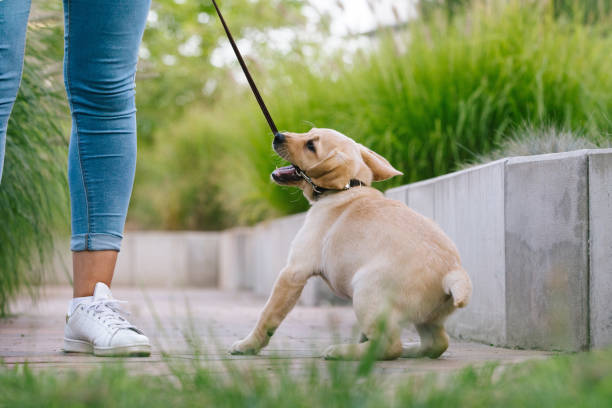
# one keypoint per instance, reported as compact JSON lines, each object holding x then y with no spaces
{"x":13,"y":23}
{"x":101,"y":48}
{"x":91,"y":267}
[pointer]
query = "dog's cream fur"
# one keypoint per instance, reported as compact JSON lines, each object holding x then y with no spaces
{"x":397,"y":266}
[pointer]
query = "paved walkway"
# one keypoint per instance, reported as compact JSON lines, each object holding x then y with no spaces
{"x":189,"y":324}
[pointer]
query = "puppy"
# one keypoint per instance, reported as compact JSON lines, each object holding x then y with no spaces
{"x":397,"y":266}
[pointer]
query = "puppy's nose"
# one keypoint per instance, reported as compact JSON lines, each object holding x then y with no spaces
{"x":279,"y":139}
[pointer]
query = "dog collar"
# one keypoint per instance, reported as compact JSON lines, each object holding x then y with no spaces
{"x":318,"y":191}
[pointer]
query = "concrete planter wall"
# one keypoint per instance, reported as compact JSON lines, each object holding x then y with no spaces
{"x":157,"y":259}
{"x":535,"y":236}
{"x":600,"y":248}
{"x":169,"y":259}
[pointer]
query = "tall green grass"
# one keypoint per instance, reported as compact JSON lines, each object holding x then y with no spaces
{"x":582,"y":380}
{"x":527,"y":141}
{"x":444,"y":92}
{"x":33,"y":192}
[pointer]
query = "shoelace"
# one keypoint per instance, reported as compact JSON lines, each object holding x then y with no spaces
{"x":109,"y":313}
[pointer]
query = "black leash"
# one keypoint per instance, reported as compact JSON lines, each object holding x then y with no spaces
{"x":318,"y":191}
{"x":260,"y":101}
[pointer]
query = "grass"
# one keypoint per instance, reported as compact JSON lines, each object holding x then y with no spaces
{"x":33,"y":193}
{"x":583,"y":380}
{"x":528,"y":141}
{"x":444,"y":92}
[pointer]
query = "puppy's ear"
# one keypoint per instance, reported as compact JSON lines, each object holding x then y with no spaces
{"x":381,"y":169}
{"x":334,"y":172}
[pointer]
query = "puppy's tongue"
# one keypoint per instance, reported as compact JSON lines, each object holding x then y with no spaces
{"x":286,"y":173}
{"x":286,"y":170}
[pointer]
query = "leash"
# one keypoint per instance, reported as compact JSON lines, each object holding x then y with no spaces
{"x":260,"y":101}
{"x":318,"y":191}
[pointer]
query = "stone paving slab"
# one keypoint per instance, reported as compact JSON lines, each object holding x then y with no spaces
{"x":200,"y":324}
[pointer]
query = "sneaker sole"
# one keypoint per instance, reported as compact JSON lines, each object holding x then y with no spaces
{"x":80,"y":346}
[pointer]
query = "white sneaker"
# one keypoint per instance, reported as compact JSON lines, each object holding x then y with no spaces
{"x":97,"y":327}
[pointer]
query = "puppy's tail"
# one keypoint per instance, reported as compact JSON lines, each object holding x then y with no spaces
{"x":457,"y":283}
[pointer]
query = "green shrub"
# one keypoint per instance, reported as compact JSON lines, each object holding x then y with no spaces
{"x":441,"y":93}
{"x":182,"y":187}
{"x":33,"y":193}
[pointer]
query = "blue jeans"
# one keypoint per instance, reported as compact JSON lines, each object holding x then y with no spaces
{"x":101,"y":49}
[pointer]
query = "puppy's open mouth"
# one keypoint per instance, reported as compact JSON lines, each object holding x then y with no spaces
{"x":286,"y":174}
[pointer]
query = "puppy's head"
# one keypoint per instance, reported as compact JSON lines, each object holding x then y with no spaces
{"x":329,"y":158}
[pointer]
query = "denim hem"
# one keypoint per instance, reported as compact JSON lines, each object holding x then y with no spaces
{"x":95,"y":242}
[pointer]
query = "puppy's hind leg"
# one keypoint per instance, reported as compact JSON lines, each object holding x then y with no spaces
{"x":434,"y":342}
{"x":380,"y":333}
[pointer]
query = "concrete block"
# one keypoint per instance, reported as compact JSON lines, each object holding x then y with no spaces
{"x":267,"y":261}
{"x":600,"y":231}
{"x":546,"y":216}
{"x":233,"y":259}
{"x":469,"y":207}
{"x":151,"y":259}
{"x":421,"y":198}
{"x":167,"y":259}
{"x":397,"y":193}
{"x":202,"y":250}
{"x":272,"y":241}
{"x":154,"y":259}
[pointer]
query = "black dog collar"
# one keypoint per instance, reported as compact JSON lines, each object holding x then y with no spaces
{"x":319,"y":191}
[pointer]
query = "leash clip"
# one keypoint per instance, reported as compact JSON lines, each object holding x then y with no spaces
{"x":303,"y":175}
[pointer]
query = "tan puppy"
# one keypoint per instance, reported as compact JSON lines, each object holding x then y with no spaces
{"x":397,"y":266}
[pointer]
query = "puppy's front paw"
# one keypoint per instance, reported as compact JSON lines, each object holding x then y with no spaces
{"x":245,"y":346}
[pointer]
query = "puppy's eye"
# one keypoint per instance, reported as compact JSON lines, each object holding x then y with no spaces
{"x":310,"y":146}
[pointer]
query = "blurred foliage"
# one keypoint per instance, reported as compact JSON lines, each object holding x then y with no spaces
{"x":589,"y":10}
{"x":177,"y":84}
{"x":175,"y":60}
{"x":33,"y":194}
{"x":443,"y":92}
{"x":427,"y":8}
